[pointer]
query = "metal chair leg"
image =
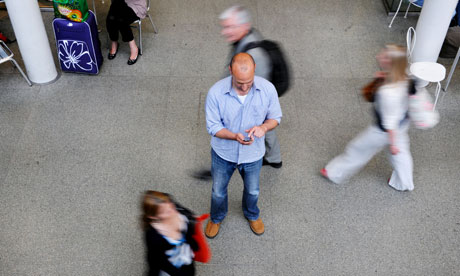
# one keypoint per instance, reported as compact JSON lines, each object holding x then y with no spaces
{"x":438,"y":90}
{"x":452,"y":69}
{"x":140,"y":37}
{"x":22,"y":72}
{"x":407,"y":10}
{"x":94,"y":10}
{"x":396,"y":13}
{"x":153,"y":25}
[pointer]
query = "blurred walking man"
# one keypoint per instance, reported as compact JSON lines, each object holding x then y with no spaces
{"x":240,"y":110}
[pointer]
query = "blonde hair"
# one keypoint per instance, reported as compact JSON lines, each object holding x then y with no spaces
{"x":397,"y":55}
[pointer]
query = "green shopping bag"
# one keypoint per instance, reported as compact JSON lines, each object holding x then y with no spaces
{"x":75,"y":10}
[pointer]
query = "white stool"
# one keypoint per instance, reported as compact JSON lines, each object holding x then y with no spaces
{"x":429,"y":72}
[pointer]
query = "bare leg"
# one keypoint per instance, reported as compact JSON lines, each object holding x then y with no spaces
{"x":134,"y":49}
{"x":113,"y":47}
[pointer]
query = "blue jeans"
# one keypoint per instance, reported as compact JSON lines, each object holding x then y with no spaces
{"x":222,"y":171}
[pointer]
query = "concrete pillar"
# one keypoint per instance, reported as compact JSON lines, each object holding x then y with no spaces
{"x":431,"y":29}
{"x":33,"y":42}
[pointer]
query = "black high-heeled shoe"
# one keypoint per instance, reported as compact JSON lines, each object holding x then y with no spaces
{"x":112,"y":56}
{"x":132,"y":61}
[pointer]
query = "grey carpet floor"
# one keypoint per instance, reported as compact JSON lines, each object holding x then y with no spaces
{"x":76,"y":155}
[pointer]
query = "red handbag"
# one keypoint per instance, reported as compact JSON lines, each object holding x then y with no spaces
{"x":203,"y":255}
{"x":371,"y":88}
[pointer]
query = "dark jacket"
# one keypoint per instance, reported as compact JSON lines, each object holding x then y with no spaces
{"x":157,"y":246}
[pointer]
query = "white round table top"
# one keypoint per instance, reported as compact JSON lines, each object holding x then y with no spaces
{"x":428,"y":71}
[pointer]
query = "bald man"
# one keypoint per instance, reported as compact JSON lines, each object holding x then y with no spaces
{"x":240,"y":109}
{"x":238,"y":31}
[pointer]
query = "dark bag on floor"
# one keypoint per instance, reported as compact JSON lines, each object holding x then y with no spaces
{"x":78,"y":45}
{"x":280,"y":70}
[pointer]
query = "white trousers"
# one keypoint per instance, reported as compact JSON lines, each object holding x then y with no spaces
{"x":368,"y":143}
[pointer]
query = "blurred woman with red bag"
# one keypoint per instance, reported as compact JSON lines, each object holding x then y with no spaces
{"x":171,"y":238}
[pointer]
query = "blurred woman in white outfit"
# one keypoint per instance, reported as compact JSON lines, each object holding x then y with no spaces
{"x":389,"y":130}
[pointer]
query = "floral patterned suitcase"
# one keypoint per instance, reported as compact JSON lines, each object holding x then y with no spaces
{"x":78,"y":45}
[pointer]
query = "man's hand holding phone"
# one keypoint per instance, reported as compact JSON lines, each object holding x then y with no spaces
{"x":244,"y":140}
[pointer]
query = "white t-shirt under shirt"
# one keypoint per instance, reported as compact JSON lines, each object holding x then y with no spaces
{"x":392,"y":103}
{"x":242,"y":98}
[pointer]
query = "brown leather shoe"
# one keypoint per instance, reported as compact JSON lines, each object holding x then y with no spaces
{"x":212,"y":229}
{"x":257,"y":226}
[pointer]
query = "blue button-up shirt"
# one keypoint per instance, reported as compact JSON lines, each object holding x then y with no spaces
{"x":225,"y":110}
